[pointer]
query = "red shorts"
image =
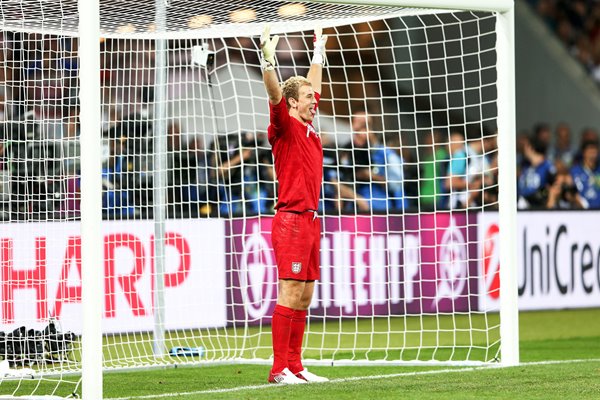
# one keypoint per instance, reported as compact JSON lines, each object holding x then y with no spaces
{"x":296,"y":240}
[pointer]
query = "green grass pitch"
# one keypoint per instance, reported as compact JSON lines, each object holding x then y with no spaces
{"x":560,"y":356}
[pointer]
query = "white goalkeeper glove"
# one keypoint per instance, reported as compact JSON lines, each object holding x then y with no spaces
{"x":267,"y":47}
{"x":319,"y":41}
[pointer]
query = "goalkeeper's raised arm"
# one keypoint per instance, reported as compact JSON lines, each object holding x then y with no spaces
{"x":268,"y":62}
{"x":315,"y":73}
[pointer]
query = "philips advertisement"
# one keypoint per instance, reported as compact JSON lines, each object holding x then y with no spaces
{"x":370,"y":265}
{"x":558,"y":260}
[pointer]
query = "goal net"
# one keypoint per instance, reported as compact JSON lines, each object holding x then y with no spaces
{"x":408,"y":120}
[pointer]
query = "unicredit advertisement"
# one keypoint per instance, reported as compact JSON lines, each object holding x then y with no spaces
{"x":370,"y":265}
{"x":41,"y":275}
{"x":558,"y":261}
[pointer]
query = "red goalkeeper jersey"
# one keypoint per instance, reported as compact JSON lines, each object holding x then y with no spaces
{"x":298,"y":155}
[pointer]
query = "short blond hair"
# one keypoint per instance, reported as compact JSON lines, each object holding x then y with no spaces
{"x":291,"y":88}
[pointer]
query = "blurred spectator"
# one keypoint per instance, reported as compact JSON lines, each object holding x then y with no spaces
{"x":69,"y":144}
{"x":480,"y":178}
{"x":266,"y":175}
{"x":116,"y":198}
{"x":456,"y":182}
{"x":70,"y":116}
{"x":35,"y":167}
{"x":337,"y":196}
{"x":187,"y":176}
{"x":226,"y":158}
{"x":387,"y":160}
{"x":355,"y":158}
{"x":366,"y":162}
{"x":70,"y":152}
{"x":561,"y":152}
{"x":410,"y":165}
{"x":546,"y":9}
{"x":542,"y":134}
{"x":4,"y":179}
{"x":236,"y":161}
{"x":537,"y":175}
{"x":260,"y":160}
{"x":563,"y":194}
{"x":490,"y":149}
{"x":330,"y":199}
{"x":490,"y":192}
{"x":433,"y":167}
{"x":136,"y":134}
{"x":586,"y":175}
{"x":128,"y":172}
{"x":588,"y":135}
{"x":199,"y":158}
{"x":3,"y":99}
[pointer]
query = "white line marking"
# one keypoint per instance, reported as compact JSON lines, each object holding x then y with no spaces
{"x":357,"y":378}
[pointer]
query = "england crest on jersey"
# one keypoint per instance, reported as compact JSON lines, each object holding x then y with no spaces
{"x":296,"y":267}
{"x":310,"y":129}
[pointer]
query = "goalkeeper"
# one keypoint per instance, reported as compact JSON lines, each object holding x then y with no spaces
{"x":296,"y":230}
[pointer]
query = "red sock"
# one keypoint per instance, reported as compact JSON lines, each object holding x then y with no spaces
{"x":296,"y":337}
{"x":281,"y":327}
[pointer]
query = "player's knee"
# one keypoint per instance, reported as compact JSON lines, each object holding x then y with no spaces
{"x":290,"y":302}
{"x":303,"y":305}
{"x":304,"y":302}
{"x":291,"y":293}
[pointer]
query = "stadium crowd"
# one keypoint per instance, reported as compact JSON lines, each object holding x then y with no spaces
{"x":374,"y":171}
{"x":554,"y":173}
{"x":577,"y":25}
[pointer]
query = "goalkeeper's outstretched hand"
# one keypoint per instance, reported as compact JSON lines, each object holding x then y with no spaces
{"x":267,"y":47}
{"x":319,"y":41}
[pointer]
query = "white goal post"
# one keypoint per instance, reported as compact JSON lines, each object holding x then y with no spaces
{"x":91,"y":200}
{"x":151,"y":238}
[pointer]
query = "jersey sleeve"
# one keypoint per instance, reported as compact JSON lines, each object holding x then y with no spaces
{"x":279,"y":119}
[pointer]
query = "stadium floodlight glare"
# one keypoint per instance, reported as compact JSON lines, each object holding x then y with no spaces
{"x":137,"y":207}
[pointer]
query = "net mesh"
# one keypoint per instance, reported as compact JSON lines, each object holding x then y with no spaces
{"x":124,"y":18}
{"x":407,"y":121}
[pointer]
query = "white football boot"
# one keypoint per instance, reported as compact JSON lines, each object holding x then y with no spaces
{"x":286,"y":377}
{"x":310,"y":377}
